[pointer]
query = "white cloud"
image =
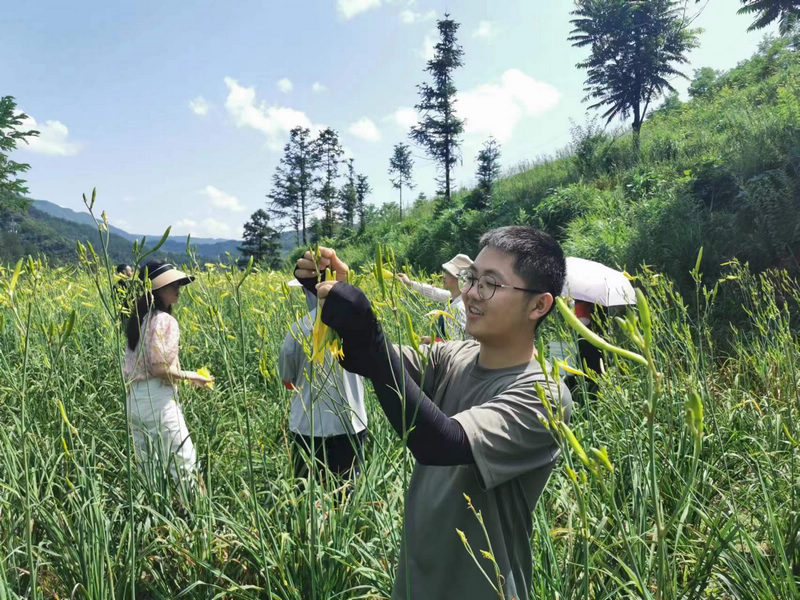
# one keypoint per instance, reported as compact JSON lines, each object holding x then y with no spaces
{"x":285,"y":85}
{"x":428,"y":46}
{"x":409,"y":17}
{"x":486,"y":30}
{"x":121,"y":223}
{"x":318,"y":87}
{"x":53,"y":138}
{"x":209,"y":227}
{"x":199,"y":106}
{"x":216,"y":228}
{"x":350,"y":8}
{"x":365,"y":129}
{"x":273,"y":121}
{"x":405,"y":117}
{"x":223,"y":200}
{"x":184,"y":226}
{"x":496,"y":108}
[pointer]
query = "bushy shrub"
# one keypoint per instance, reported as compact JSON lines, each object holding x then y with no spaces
{"x":771,"y":198}
{"x":555,"y":212}
{"x":603,"y":234}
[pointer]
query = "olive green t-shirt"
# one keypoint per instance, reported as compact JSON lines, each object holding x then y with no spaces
{"x":514,"y":453}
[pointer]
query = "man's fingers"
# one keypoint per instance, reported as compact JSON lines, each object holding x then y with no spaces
{"x":324,"y":288}
{"x":306,"y":267}
{"x":338,"y":265}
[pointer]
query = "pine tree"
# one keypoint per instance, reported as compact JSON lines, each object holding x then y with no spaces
{"x":400,"y":166}
{"x":12,"y":189}
{"x":634,"y":50}
{"x":487,"y":173}
{"x":293,"y":182}
{"x":362,"y":191}
{"x":348,"y":201}
{"x":261,"y":241}
{"x":439,"y":129}
{"x":329,"y":152}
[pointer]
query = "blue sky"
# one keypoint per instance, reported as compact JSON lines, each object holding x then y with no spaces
{"x":177,"y":111}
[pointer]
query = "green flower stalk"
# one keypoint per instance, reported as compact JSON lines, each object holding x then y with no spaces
{"x":594,"y":339}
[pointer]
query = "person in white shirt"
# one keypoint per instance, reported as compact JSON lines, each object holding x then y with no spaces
{"x":327,"y":418}
{"x":451,"y":294}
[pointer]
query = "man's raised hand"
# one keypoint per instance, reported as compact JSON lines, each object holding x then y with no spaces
{"x":306,"y":269}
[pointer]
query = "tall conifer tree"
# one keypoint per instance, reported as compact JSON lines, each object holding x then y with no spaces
{"x":439,"y":129}
{"x":348,"y":201}
{"x":487,"y":173}
{"x":293,"y":182}
{"x":329,"y":154}
{"x":261,"y":241}
{"x":400,"y":165}
{"x":362,"y":191}
{"x":12,"y":188}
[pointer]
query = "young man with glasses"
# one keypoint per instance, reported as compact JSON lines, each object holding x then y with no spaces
{"x":471,"y":415}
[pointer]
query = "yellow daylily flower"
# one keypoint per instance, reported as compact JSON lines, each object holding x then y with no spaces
{"x":204,"y":372}
{"x":323,"y":337}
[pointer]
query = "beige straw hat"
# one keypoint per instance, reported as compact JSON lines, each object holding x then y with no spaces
{"x":457,"y":264}
{"x":165,"y":274}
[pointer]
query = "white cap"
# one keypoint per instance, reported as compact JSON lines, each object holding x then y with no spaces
{"x":457,"y":264}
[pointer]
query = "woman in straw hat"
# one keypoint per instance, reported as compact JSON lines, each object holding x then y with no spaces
{"x":451,"y":295}
{"x":152,"y":371}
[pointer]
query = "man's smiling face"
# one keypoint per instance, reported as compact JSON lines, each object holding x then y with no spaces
{"x":506,"y":314}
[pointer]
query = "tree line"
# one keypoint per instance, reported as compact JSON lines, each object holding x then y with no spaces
{"x":635,"y":49}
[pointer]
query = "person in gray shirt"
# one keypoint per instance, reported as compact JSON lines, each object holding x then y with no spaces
{"x":471,"y":416}
{"x":327,"y":418}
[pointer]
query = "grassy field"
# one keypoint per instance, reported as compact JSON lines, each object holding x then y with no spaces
{"x":703,"y":443}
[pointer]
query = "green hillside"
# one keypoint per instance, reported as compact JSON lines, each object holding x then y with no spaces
{"x":37,"y":233}
{"x":721,"y":171}
{"x":49,"y":229}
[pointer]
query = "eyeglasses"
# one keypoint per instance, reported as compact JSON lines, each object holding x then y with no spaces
{"x":487,"y":285}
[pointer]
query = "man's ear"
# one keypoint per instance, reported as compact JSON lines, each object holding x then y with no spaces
{"x":539,"y":305}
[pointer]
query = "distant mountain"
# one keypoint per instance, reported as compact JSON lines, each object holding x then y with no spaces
{"x":37,"y":233}
{"x":53,"y":231}
{"x":211,"y":248}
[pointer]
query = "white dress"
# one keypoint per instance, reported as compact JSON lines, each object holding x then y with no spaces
{"x":156,"y":419}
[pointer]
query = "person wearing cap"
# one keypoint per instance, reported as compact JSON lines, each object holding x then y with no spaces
{"x":451,"y":295}
{"x":152,"y":371}
{"x":327,"y":419}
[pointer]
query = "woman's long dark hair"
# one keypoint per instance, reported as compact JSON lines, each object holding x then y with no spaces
{"x":147,"y":302}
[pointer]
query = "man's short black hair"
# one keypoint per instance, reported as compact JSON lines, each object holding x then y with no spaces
{"x":538,"y":257}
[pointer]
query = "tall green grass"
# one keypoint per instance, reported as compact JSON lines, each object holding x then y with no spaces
{"x":685,"y":513}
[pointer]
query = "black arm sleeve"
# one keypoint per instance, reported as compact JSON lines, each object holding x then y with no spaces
{"x":309,"y":283}
{"x":434,"y":438}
